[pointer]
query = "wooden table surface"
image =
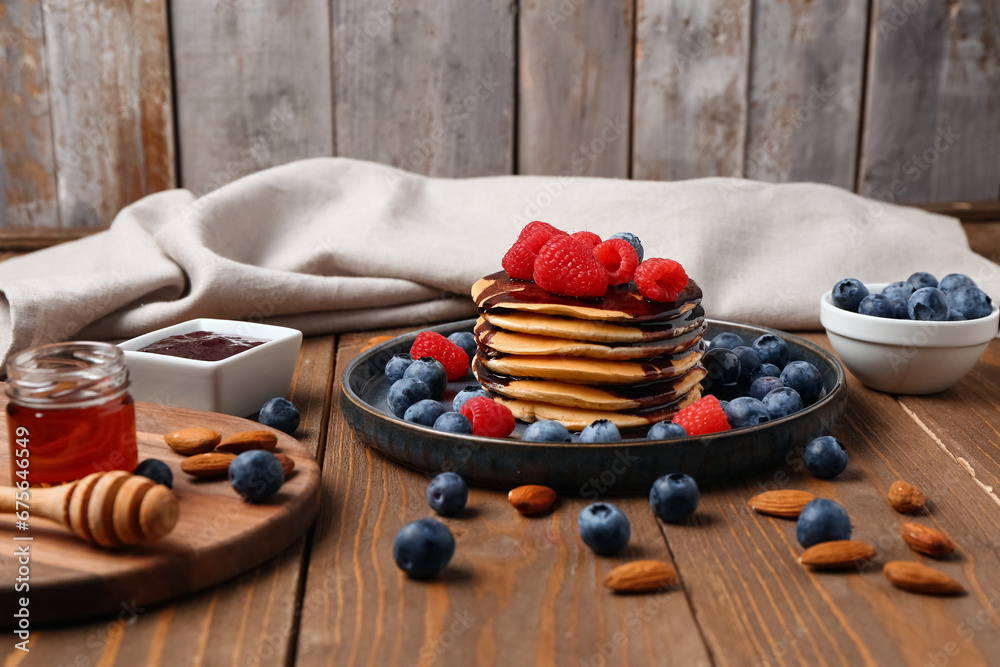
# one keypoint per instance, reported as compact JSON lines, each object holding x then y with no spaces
{"x":526,"y":591}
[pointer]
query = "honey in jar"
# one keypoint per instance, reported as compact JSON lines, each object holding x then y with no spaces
{"x":70,"y":409}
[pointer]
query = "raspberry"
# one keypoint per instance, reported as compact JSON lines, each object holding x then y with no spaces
{"x":590,"y":238}
{"x":434,"y":345}
{"x":619,"y":259}
{"x":660,"y":279}
{"x":567,"y":266}
{"x":488,"y":417}
{"x":519,"y":262}
{"x":702,"y":417}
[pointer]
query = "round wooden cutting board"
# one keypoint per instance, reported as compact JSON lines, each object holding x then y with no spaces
{"x":217,"y":536}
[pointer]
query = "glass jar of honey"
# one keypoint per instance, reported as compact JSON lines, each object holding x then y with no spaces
{"x":70,"y":409}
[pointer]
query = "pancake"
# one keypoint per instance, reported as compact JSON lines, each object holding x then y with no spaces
{"x":591,"y":397}
{"x":554,"y":326}
{"x":576,"y":419}
{"x":493,"y":341}
{"x":595,"y":371}
{"x":499,"y":290}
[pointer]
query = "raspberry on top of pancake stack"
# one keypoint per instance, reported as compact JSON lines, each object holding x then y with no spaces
{"x":576,"y":329}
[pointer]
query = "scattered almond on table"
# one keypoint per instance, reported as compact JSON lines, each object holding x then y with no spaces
{"x":641,"y":576}
{"x":920,"y":578}
{"x":906,"y":498}
{"x":209,"y":464}
{"x":837,"y":554}
{"x":190,"y":441}
{"x":926,"y":540}
{"x":244,"y":441}
{"x":786,"y":503}
{"x":531,"y":499}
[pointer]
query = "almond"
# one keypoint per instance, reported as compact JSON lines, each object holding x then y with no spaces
{"x":641,"y":576}
{"x":926,"y":540}
{"x":531,"y":499}
{"x":920,"y":578}
{"x":188,"y":441}
{"x":287,"y":463}
{"x":244,"y":441}
{"x":211,"y":464}
{"x":786,"y":503}
{"x":905,"y":498}
{"x":837,"y":554}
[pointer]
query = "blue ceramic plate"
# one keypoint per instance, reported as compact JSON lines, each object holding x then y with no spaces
{"x":622,"y":468}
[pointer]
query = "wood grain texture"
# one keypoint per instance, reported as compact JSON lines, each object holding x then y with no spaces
{"x":28,"y":193}
{"x":253,"y":86}
{"x":426,"y":85}
{"x":110,"y":87}
{"x":574,"y":87}
{"x":518,"y":591}
{"x":932,"y":114}
{"x":805,"y":90}
{"x":691,"y":67}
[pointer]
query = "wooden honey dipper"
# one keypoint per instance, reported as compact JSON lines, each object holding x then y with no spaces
{"x":110,"y":509}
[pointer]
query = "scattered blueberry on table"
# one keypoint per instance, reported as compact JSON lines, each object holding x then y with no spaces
{"x":423,"y":548}
{"x":822,"y":520}
{"x":825,"y":457}
{"x":674,"y":497}
{"x":447,"y":494}
{"x":256,"y":475}
{"x":280,"y":413}
{"x":604,"y":528}
{"x":156,"y":470}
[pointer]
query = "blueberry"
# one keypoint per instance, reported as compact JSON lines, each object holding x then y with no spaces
{"x":632,"y":240}
{"x":899,"y":293}
{"x":782,"y":402}
{"x":723,"y":367}
{"x":746,"y":411}
{"x":602,"y":430}
{"x":674,"y":497}
{"x":453,"y":422}
{"x":431,"y":372}
{"x":447,"y":494}
{"x":546,"y":430}
{"x":397,"y":366}
{"x":424,"y":412}
{"x":470,"y":391}
{"x":822,"y":520}
{"x":466,"y":341}
{"x":764,"y":371}
{"x":971,"y":302}
{"x":953,"y":281}
{"x":878,"y":305}
{"x":603,"y":528}
{"x":404,"y":393}
{"x":928,"y":304}
{"x":749,"y":360}
{"x":805,"y":379}
{"x":763,"y":386}
{"x":256,"y":475}
{"x":848,"y":293}
{"x":955,"y":316}
{"x":772,"y":350}
{"x":666,"y":431}
{"x":726,"y":340}
{"x":423,"y":548}
{"x":825,"y":457}
{"x":922,"y":279}
{"x":156,"y":470}
{"x":280,"y":413}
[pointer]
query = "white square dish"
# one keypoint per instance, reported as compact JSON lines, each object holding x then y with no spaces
{"x":237,"y":385}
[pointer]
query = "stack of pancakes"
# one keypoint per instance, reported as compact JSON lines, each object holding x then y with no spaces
{"x":621,"y":357}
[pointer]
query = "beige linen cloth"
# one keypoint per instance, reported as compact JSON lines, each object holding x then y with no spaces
{"x":333,"y":244}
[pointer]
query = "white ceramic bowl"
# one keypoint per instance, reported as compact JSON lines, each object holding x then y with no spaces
{"x":905,"y":356}
{"x":237,"y":385}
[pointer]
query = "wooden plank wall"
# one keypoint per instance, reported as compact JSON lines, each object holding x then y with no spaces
{"x":104,"y":101}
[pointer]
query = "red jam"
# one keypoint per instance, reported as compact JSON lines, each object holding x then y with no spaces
{"x":203,"y":345}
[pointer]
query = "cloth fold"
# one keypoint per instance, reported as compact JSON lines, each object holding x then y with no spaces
{"x":333,"y":244}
